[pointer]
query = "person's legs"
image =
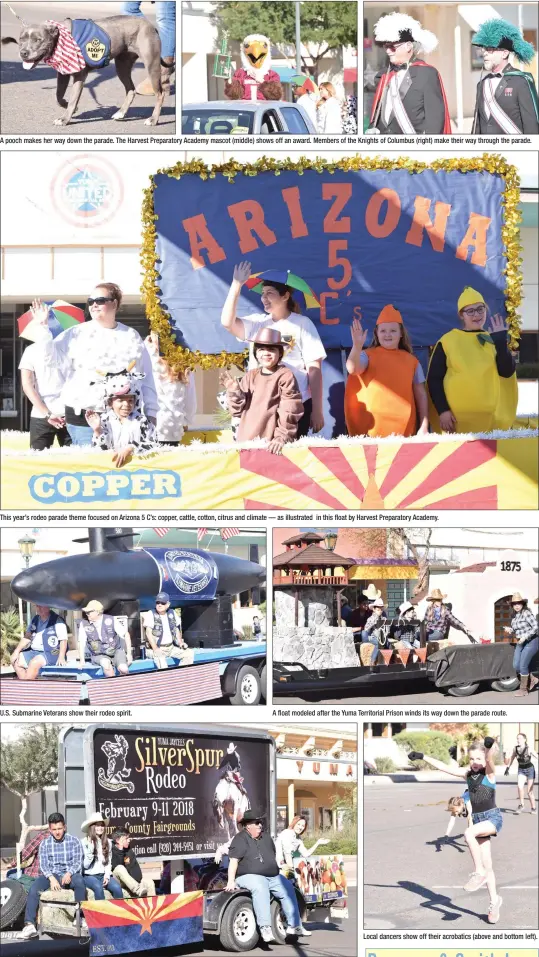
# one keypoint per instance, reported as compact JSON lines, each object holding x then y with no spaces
{"x":521,"y":783}
{"x":41,"y":434}
{"x":120,"y":662}
{"x":80,"y":434}
{"x":165,"y":19}
{"x":78,"y":887}
{"x":124,"y":877}
{"x":481,"y":829}
{"x":114,"y":888}
{"x":63,"y":437}
{"x":282,"y":889}
{"x":260,"y":893}
{"x":30,"y":671}
{"x":373,"y":641}
{"x":531,"y":795}
{"x":32,"y":902}
{"x":105,"y":663}
{"x":149,"y":886}
{"x":486,"y":861}
{"x":527,"y":653}
{"x":94,"y":882}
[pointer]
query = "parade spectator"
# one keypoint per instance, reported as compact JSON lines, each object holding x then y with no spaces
{"x":176,"y":395}
{"x":126,"y":868}
{"x":305,"y":92}
{"x":97,"y":860}
{"x":328,"y":111}
{"x":110,"y":647}
{"x":42,"y":384}
{"x":164,"y":635}
{"x":304,"y":349}
{"x":375,"y":629}
{"x":266,"y":399}
{"x":123,"y":427}
{"x":165,"y":21}
{"x":439,"y":618}
{"x":526,"y":771}
{"x":45,"y":642}
{"x":253,"y":865}
{"x":524,"y":627}
{"x":349,"y":115}
{"x":385,"y":389}
{"x":257,"y":627}
{"x":102,"y":343}
{"x":289,"y":844}
{"x":471,"y":377}
{"x":60,"y":863}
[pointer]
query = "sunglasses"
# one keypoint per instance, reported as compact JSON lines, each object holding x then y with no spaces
{"x":394,"y":46}
{"x":100,"y":300}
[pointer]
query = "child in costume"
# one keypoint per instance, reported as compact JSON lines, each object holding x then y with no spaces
{"x":122,"y":427}
{"x":506,"y":97}
{"x":267,"y":399}
{"x":385,"y":392}
{"x":471,"y":377}
{"x":176,"y":395}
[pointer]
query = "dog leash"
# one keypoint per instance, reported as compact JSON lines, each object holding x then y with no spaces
{"x":13,"y":12}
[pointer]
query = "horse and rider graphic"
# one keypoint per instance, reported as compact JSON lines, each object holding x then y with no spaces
{"x":230,"y":800}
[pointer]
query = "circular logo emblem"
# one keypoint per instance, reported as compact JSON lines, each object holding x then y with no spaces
{"x":87,"y":191}
{"x":190,"y":573}
{"x":95,"y":50}
{"x":53,"y":641}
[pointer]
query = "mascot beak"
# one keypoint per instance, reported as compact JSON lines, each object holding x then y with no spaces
{"x":256,"y":52}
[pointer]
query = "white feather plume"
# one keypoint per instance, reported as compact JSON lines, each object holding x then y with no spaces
{"x":388,"y":29}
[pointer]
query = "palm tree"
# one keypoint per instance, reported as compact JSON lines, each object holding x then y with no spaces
{"x":11,"y":632}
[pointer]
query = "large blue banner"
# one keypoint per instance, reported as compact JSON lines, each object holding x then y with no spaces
{"x":361,"y":239}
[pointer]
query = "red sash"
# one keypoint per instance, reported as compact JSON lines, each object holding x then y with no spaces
{"x":384,"y":80}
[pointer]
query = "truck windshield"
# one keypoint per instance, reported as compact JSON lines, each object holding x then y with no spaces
{"x":216,"y":122}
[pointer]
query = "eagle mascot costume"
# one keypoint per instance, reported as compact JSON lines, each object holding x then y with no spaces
{"x":255,"y":80}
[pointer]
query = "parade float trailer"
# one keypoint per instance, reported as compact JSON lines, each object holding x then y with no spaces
{"x":126,"y":581}
{"x":362,"y":232}
{"x":172,"y":785}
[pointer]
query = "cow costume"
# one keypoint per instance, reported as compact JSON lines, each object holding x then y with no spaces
{"x":410,"y":97}
{"x":506,"y":97}
{"x":135,"y":430}
{"x":255,"y":80}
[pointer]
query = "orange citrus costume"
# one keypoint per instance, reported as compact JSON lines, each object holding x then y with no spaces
{"x":380,"y":401}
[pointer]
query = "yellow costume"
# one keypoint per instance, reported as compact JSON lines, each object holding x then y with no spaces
{"x":480,"y":399}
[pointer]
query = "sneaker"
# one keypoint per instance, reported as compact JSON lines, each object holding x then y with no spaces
{"x":520,"y":808}
{"x":141,"y":890}
{"x":29,"y":930}
{"x":494,"y":911}
{"x":267,"y":934}
{"x":476,"y":881}
{"x":299,"y":931}
{"x":533,"y":810}
{"x":84,"y":927}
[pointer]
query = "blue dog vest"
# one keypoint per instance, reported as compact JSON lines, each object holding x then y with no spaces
{"x":92,"y":41}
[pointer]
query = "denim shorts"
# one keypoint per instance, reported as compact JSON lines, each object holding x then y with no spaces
{"x":494,"y":815}
{"x":528,"y":773}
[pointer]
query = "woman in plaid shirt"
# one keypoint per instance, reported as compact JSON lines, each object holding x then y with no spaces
{"x":524,"y":628}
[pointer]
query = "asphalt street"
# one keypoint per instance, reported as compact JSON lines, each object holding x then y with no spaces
{"x":420,"y":692}
{"x":28,"y":98}
{"x":414,"y":878}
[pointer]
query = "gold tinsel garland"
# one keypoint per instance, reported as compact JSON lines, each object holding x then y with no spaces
{"x":182,"y":359}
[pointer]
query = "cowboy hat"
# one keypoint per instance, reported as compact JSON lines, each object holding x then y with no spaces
{"x":517,"y":599}
{"x":435,"y":595}
{"x":372,"y":592}
{"x":406,"y":606}
{"x":94,"y":605}
{"x":378,"y":603}
{"x":95,"y":818}
{"x":251,"y":816}
{"x":268,"y":337}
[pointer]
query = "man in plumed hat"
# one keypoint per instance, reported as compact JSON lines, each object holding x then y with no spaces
{"x":506,"y":97}
{"x":410,"y":97}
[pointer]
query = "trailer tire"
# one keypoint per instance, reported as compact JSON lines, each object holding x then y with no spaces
{"x":248,"y":687}
{"x":263,"y":682}
{"x":239,"y":931}
{"x":461,"y":691}
{"x":505,"y":684}
{"x":278,"y":922}
{"x":12,"y":902}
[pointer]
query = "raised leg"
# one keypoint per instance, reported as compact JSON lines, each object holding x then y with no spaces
{"x":124,"y":68}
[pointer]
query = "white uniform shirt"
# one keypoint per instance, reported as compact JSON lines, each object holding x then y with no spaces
{"x":48,"y":380}
{"x":37,"y":640}
{"x":303,"y":344}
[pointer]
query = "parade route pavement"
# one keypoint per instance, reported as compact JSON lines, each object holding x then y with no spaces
{"x":420,"y":692}
{"x":28,"y":98}
{"x":414,"y":878}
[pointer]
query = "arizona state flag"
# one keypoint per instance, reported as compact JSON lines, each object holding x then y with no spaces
{"x":144,"y":923}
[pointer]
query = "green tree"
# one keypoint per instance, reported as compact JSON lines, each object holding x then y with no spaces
{"x":11,"y":632}
{"x":326,"y":25}
{"x":28,"y":764}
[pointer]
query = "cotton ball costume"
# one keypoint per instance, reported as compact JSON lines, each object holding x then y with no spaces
{"x":255,"y":80}
{"x":177,"y":400}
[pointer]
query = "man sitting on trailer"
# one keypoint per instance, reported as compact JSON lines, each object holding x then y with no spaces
{"x":253,"y":865}
{"x":109,"y":647}
{"x":44,"y":643}
{"x":164,"y":635}
{"x":60,"y":863}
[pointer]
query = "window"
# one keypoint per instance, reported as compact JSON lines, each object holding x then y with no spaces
{"x":8,"y":395}
{"x":216,"y":122}
{"x":294,"y":120}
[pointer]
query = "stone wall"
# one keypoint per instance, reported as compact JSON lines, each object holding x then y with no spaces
{"x":317,"y":646}
{"x":315,"y":606}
